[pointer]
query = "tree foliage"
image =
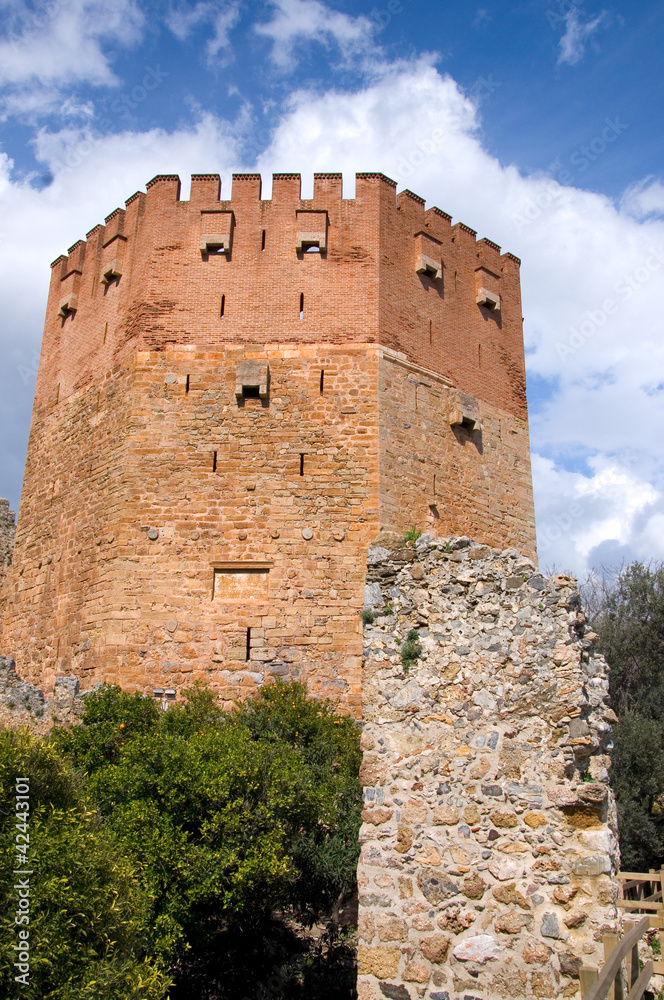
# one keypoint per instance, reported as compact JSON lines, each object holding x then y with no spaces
{"x":628,"y":615}
{"x":88,"y":912}
{"x":191,"y":843}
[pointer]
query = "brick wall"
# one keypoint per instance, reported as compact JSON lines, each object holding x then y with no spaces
{"x":148,"y":478}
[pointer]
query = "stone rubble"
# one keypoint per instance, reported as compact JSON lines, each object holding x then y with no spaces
{"x":23,"y":704}
{"x":489,"y":842}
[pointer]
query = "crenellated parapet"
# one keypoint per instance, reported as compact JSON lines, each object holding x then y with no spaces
{"x":212,"y":270}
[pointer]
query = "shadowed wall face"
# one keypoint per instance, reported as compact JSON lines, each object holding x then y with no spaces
{"x":233,"y":398}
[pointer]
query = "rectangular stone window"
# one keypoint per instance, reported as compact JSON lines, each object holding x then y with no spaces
{"x":487,"y":289}
{"x":216,"y":232}
{"x":241,"y":581}
{"x":311,"y":231}
{"x":428,"y":259}
{"x":252,"y":380}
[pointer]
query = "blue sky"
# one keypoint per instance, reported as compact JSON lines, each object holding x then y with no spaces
{"x":552,"y":120}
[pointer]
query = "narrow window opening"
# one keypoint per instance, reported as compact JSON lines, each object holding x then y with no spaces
{"x":430,"y":331}
{"x":322,"y":379}
{"x":251,"y":392}
{"x":105,"y":332}
{"x":214,"y":461}
{"x":301,"y":305}
{"x":434,"y":484}
{"x":186,"y":386}
{"x":479,"y":355}
{"x":223,"y":306}
{"x":301,"y":463}
{"x":248,"y":650}
{"x":263,"y":240}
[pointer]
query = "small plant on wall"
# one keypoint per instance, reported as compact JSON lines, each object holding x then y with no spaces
{"x":367,"y":616}
{"x":412,"y":535}
{"x":411,"y":649}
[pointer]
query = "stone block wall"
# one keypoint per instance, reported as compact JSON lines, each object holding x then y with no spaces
{"x":488,"y":839}
{"x":7,"y":532}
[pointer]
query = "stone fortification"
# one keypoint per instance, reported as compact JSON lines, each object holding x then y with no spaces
{"x":235,"y":395}
{"x":488,"y":837}
{"x":7,"y":531}
{"x":23,"y":704}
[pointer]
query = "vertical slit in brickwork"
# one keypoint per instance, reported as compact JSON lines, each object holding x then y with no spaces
{"x":105,"y":332}
{"x":430,"y":331}
{"x":223,"y":306}
{"x":322,"y":379}
{"x":301,"y":305}
{"x":301,"y":463}
{"x":479,"y":355}
{"x":263,"y":240}
{"x":186,"y":385}
{"x":248,"y":652}
{"x":434,"y":481}
{"x":214,"y":461}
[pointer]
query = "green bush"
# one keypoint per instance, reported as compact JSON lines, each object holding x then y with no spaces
{"x":367,"y":616}
{"x":227,"y":818}
{"x":88,"y":913}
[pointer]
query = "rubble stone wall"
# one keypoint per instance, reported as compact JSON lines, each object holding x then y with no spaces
{"x":7,"y":530}
{"x":489,"y":829}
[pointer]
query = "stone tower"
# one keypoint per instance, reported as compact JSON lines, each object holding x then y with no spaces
{"x":234,"y":397}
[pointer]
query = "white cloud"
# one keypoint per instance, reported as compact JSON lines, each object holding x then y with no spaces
{"x":645,"y":198}
{"x":577,"y":33}
{"x":578,"y":249}
{"x":223,"y":17}
{"x":310,"y":20}
{"x":63,"y":43}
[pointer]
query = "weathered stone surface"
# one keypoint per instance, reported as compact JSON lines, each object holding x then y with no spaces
{"x":435,"y":886}
{"x":380,"y":962}
{"x":481,"y":948}
{"x":435,"y":947}
{"x":550,"y":927}
{"x":473,"y":886}
{"x":394,"y":992}
{"x":499,"y":825}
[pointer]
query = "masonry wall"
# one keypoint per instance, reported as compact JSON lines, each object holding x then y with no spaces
{"x":7,"y":531}
{"x":488,"y":840}
{"x":170,"y":528}
{"x":447,"y":478}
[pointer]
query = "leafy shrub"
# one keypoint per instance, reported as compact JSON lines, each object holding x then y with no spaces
{"x":227,"y":818}
{"x":87,"y":907}
{"x":412,"y":535}
{"x":367,"y":616}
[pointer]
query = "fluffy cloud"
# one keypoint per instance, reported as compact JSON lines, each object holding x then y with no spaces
{"x":309,"y":20}
{"x":591,"y":277}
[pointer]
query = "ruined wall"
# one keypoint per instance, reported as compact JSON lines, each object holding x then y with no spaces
{"x":488,"y":837}
{"x":7,"y":531}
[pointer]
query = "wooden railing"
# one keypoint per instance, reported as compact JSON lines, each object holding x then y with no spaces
{"x":608,"y":983}
{"x":643,"y":895}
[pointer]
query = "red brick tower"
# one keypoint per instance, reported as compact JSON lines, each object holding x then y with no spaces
{"x":233,"y":398}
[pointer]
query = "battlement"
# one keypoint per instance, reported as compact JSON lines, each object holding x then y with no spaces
{"x":227,"y":267}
